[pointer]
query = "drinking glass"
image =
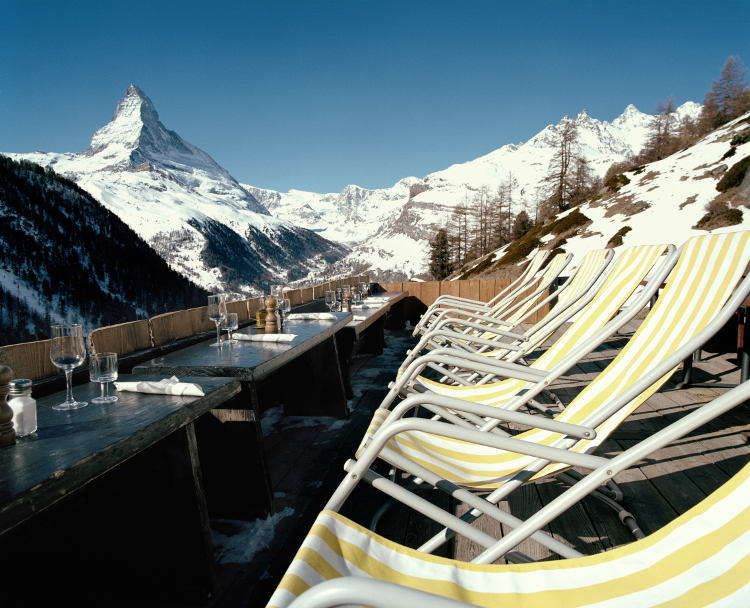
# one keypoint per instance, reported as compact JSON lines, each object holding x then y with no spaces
{"x":103,"y":369}
{"x":286,"y":306}
{"x":230,"y":325}
{"x":356,"y":297}
{"x":331,"y":299}
{"x":68,"y":351}
{"x":217,"y":312}
{"x":345,"y":288}
{"x":363,"y":287}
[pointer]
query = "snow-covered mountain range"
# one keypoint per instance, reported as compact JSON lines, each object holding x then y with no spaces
{"x":667,"y":201}
{"x":389,"y":229}
{"x":187,"y":207}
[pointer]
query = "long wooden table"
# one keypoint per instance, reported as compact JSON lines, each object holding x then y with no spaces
{"x":111,"y":496}
{"x":311,"y":379}
{"x":304,"y":374}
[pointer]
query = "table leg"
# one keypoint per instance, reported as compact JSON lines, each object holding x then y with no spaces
{"x":235,"y":470}
{"x":313,"y":384}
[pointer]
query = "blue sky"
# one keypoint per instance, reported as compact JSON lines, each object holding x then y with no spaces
{"x":320,"y":94}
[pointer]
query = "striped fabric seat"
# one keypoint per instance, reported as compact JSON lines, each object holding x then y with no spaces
{"x":517,"y":313}
{"x":707,"y":272}
{"x":513,"y":314}
{"x":513,"y":307}
{"x":526,"y":280}
{"x":701,"y":558}
{"x":590,"y":269}
{"x":627,"y":273}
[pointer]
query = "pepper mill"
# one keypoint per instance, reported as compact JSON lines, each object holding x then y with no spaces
{"x":348,"y":301}
{"x":271,"y":325}
{"x":7,"y":432}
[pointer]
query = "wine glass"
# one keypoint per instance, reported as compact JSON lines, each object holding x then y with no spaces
{"x":68,"y":351}
{"x":331,"y":299}
{"x":230,"y":324}
{"x":103,"y":369}
{"x":356,"y":297}
{"x":217,"y":312}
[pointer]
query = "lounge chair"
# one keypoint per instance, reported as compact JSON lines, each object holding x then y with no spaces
{"x":511,"y":309}
{"x":524,"y":281}
{"x":701,"y":558}
{"x":594,"y":324}
{"x":703,"y":291}
{"x":502,"y":341}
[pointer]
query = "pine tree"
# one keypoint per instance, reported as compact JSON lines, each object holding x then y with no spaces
{"x":728,"y":98}
{"x":440,"y":256}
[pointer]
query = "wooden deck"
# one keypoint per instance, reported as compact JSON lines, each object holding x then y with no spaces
{"x":306,"y":458}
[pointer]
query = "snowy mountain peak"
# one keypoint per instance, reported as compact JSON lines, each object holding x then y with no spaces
{"x":185,"y":205}
{"x":136,"y":138}
{"x":133,"y":113}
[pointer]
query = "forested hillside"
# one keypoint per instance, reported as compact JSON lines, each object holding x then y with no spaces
{"x":63,"y":256}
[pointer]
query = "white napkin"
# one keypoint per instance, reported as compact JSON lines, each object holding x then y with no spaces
{"x":367,"y":305}
{"x":165,"y":386}
{"x":265,"y":337}
{"x":359,"y":317}
{"x":312,"y":316}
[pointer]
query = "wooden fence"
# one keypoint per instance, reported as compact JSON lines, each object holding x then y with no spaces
{"x":424,"y":293}
{"x":31,"y":359}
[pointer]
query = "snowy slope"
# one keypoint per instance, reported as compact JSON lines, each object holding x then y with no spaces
{"x":177,"y":198}
{"x":389,"y":229}
{"x":673,"y":193}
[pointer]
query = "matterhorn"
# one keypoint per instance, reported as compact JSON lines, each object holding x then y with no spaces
{"x":187,"y":207}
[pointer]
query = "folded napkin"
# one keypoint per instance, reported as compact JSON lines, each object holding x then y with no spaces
{"x":165,"y":386}
{"x":312,"y":316}
{"x":368,"y":305}
{"x":359,"y":317}
{"x":265,"y":337}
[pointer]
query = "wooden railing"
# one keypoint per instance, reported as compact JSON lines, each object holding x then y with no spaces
{"x":424,"y":293}
{"x":31,"y":359}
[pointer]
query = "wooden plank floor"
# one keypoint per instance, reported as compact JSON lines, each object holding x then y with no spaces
{"x":306,"y":459}
{"x":660,"y":488}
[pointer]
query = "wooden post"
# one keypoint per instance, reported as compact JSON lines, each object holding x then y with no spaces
{"x":271,"y":325}
{"x":7,"y":432}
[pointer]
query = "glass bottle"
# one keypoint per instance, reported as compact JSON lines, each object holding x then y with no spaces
{"x":23,"y":406}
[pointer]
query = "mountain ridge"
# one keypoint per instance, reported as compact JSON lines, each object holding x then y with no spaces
{"x":173,"y":195}
{"x":393,"y":225}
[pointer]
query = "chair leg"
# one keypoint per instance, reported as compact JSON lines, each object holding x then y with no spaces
{"x":613,"y":501}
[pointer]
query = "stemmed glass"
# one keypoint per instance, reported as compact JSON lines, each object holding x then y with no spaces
{"x":230,"y":324}
{"x":103,"y":369}
{"x":277,"y":291}
{"x":356,"y":297}
{"x":68,"y":351}
{"x":217,"y":312}
{"x":331,"y":299}
{"x":285,"y":307}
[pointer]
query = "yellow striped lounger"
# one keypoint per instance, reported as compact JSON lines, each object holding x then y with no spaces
{"x":702,"y":558}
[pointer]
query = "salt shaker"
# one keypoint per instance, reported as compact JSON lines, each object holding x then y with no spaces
{"x":23,"y":406}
